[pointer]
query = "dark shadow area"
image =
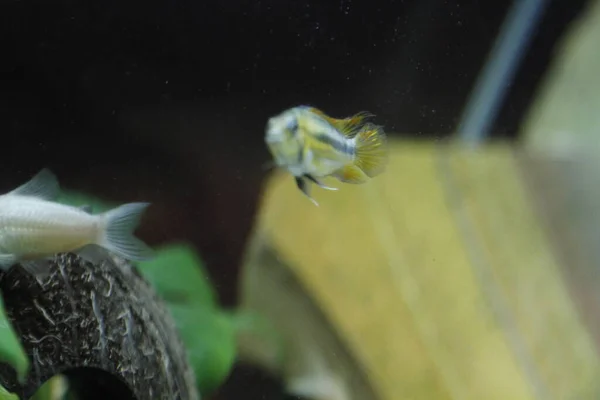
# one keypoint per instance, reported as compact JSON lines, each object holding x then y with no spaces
{"x":166,"y":101}
{"x":96,"y":384}
{"x":251,"y":382}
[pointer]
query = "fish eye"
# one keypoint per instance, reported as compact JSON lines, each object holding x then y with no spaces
{"x":293,"y":126}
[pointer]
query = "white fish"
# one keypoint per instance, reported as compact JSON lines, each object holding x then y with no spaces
{"x":34,"y":227}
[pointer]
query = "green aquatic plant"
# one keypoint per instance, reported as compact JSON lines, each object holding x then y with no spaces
{"x":207,"y":331}
{"x":6,"y":395}
{"x":11,"y":352}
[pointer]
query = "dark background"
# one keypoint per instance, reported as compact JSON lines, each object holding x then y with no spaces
{"x":166,"y":101}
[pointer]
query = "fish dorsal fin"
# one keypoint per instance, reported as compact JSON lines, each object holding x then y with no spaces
{"x":337,"y":123}
{"x":321,"y":114}
{"x":86,"y":208}
{"x":351,"y":125}
{"x":347,"y":126}
{"x":43,"y":185}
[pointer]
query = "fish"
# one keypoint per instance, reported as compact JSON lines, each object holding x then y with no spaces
{"x":311,"y":145}
{"x":34,"y":226}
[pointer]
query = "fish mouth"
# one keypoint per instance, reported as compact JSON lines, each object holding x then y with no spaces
{"x":273,"y":138}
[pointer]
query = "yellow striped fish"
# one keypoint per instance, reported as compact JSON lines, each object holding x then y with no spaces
{"x":312,"y":145}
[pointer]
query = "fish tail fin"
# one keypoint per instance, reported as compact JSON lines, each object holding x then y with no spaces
{"x":117,"y":233}
{"x":371,"y":154}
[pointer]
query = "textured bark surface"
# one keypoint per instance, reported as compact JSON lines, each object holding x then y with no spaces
{"x":99,"y":315}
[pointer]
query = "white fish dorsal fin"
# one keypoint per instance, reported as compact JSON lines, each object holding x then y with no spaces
{"x":86,"y":208}
{"x":43,"y":185}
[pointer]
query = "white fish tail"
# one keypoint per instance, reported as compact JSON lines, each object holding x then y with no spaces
{"x":117,"y":232}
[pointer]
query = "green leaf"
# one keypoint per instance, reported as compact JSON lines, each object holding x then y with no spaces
{"x":6,"y":395}
{"x":11,"y":349}
{"x":178,"y":276}
{"x":209,"y":336}
{"x":44,"y":392}
{"x":55,"y":388}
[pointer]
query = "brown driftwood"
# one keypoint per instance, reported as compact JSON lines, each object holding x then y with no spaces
{"x":99,"y":315}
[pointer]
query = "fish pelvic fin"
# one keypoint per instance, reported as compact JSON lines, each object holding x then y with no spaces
{"x":371,"y":151}
{"x":39,"y":268}
{"x":303,"y":186}
{"x":318,"y":182}
{"x":7,"y":261}
{"x":43,"y":185}
{"x":351,"y":174}
{"x":117,"y":233}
